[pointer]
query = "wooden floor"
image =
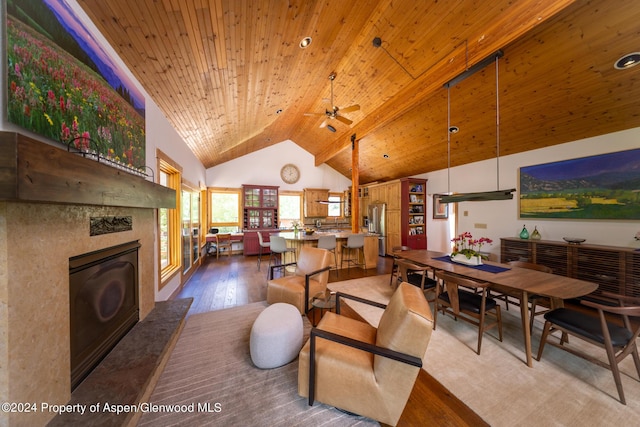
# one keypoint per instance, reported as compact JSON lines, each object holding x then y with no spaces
{"x":235,"y":280}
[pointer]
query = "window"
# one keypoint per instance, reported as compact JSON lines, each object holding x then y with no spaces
{"x":225,"y":209}
{"x":170,"y":175}
{"x":335,"y":207}
{"x":290,"y":208}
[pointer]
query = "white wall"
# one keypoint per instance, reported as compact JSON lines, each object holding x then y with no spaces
{"x":501,"y":217}
{"x":263,"y":168}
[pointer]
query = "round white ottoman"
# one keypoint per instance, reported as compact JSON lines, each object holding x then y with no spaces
{"x":276,"y":336}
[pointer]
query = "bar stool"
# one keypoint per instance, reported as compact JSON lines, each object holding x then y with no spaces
{"x":354,"y":241}
{"x":263,"y":244}
{"x":279,"y":246}
{"x":329,"y":243}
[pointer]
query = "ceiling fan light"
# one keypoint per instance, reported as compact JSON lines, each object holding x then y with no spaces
{"x":305,"y":42}
{"x":627,"y":61}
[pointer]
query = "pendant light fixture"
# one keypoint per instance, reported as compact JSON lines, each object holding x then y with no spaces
{"x":484,"y":195}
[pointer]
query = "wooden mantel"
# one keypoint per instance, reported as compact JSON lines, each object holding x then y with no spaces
{"x":33,"y":171}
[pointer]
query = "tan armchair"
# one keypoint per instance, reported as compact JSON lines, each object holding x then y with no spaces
{"x":371,"y":372}
{"x":310,"y":278}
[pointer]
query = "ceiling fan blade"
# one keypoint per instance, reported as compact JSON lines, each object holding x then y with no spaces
{"x":344,"y":120}
{"x":313,"y":114}
{"x":354,"y":107}
{"x":323,"y":124}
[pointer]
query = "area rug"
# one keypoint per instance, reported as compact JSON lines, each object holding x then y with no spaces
{"x":560,"y":390}
{"x":211,"y":380}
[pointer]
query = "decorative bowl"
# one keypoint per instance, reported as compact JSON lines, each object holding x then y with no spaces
{"x":309,"y":231}
{"x":574,"y":240}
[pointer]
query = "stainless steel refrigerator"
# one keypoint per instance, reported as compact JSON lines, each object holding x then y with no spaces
{"x":377,"y":225}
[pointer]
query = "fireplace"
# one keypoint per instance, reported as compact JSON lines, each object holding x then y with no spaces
{"x":103,"y":304}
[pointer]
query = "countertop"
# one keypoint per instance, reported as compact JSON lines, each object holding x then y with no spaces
{"x":290,"y":235}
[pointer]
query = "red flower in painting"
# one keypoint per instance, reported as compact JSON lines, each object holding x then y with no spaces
{"x":65,"y":133}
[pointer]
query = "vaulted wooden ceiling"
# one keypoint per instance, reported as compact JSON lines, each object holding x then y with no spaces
{"x":221,"y":69}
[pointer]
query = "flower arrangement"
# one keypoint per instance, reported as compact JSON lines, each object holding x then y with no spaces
{"x":466,"y":245}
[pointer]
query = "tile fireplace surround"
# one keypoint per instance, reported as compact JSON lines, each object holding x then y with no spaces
{"x":36,"y":242}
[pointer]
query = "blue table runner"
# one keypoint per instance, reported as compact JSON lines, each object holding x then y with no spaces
{"x":483,"y":267}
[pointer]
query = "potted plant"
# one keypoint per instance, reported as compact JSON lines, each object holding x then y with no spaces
{"x":466,"y":249}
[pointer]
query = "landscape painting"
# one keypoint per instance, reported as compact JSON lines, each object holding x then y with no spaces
{"x":64,"y":85}
{"x":605,"y":187}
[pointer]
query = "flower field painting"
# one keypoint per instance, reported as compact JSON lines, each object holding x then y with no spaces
{"x":64,"y":86}
{"x":605,"y":186}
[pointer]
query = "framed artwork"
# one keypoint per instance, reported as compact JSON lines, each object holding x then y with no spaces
{"x":64,"y":85}
{"x":440,"y":210}
{"x":604,"y":187}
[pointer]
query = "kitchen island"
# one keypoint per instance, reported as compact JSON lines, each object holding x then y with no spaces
{"x":300,"y":239}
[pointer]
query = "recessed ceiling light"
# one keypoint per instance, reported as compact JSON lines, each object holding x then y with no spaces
{"x":454,"y":129}
{"x":279,"y":110}
{"x":305,"y":42}
{"x":386,"y":156}
{"x":627,"y":61}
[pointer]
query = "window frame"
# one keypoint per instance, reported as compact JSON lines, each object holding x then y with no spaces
{"x":341,"y":205}
{"x":174,"y":181}
{"x":300,"y":195}
{"x":224,"y":190}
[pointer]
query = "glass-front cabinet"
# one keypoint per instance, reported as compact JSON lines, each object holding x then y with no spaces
{"x":260,"y":207}
{"x":260,"y":213}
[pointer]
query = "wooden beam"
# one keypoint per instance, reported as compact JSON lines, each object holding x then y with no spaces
{"x":33,"y":171}
{"x":355,"y":177}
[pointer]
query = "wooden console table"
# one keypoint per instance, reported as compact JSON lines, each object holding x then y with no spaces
{"x":614,"y":269}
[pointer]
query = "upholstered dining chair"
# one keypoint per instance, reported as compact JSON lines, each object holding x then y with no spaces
{"x":396,"y":251}
{"x":223,"y":241}
{"x":471,"y":306}
{"x":310,"y":279}
{"x":619,"y":339}
{"x":366,"y":370}
{"x":263,"y":244}
{"x":417,"y":275}
{"x":533,"y":299}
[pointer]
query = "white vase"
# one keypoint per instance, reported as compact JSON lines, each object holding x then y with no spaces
{"x":462,"y":259}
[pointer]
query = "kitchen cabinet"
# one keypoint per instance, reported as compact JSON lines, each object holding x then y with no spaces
{"x":614,"y":269}
{"x":393,"y":230}
{"x":413,"y":211}
{"x":393,"y":199}
{"x":313,"y":209}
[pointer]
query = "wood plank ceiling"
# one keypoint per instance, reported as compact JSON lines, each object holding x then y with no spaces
{"x":221,"y":69}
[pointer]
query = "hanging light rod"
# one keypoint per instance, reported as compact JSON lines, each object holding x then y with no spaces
{"x":328,"y":202}
{"x":474,"y":69}
{"x":478,"y":197}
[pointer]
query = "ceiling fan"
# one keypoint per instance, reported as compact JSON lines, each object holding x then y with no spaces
{"x":333,"y":113}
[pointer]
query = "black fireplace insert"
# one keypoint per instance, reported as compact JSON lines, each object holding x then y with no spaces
{"x":103,"y":304}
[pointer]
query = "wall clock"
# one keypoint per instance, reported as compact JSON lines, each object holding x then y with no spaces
{"x":290,"y":173}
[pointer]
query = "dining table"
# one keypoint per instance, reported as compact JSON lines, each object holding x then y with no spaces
{"x":514,"y":281}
